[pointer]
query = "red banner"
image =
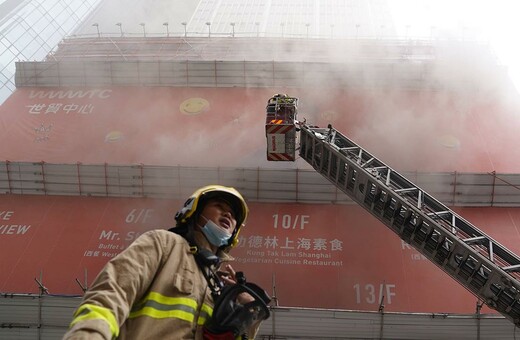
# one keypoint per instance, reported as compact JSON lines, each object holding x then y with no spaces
{"x":327,"y":256}
{"x":425,"y":131}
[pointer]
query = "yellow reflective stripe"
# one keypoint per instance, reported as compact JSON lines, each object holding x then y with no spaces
{"x":205,"y":313}
{"x":166,"y":300}
{"x":93,"y":312}
{"x":162,"y":314}
{"x":159,"y":306}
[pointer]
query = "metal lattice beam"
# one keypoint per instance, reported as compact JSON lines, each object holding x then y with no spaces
{"x":475,"y":260}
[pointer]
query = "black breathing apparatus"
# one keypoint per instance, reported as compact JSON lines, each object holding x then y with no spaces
{"x":232,"y":316}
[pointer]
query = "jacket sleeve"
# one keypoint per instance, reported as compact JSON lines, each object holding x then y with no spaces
{"x":121,"y":282}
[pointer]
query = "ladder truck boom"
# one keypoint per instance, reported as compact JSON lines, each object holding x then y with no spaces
{"x":483,"y":266}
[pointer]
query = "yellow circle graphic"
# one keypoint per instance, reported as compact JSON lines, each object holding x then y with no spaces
{"x":113,"y":136}
{"x":194,"y":106}
{"x":449,"y":141}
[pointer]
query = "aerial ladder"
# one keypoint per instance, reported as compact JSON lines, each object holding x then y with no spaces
{"x":476,"y":261}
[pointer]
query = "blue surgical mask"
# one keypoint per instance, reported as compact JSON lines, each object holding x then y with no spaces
{"x":216,"y":235}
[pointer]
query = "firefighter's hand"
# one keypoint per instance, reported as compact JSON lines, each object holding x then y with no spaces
{"x":228,"y":276}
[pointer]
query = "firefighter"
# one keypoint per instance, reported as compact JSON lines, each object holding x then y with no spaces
{"x":177,"y":283}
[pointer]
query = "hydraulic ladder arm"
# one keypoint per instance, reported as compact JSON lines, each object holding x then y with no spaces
{"x":480,"y":264}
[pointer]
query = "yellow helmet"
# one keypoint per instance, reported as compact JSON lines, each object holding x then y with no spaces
{"x":229,"y":194}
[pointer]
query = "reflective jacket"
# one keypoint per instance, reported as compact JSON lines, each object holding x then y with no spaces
{"x":152,"y":290}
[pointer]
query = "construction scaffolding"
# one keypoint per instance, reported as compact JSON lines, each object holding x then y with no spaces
{"x":224,"y":62}
{"x":257,"y":184}
{"x":46,"y":317}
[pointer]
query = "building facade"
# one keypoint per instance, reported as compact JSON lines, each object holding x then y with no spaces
{"x":30,"y":30}
{"x":135,"y":109}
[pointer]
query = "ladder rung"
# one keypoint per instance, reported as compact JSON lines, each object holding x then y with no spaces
{"x":473,"y":240}
{"x":368,"y":162}
{"x":439,"y":213}
{"x":405,"y":190}
{"x":514,"y":268}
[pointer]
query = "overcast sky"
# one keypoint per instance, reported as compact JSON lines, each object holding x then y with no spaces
{"x":494,"y":21}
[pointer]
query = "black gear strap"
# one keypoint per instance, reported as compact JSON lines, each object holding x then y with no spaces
{"x":207,"y":261}
{"x":208,"y":264}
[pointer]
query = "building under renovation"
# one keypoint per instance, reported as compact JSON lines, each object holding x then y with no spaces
{"x":400,"y":224}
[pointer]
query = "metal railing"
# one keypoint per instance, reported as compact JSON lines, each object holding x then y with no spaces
{"x":32,"y":316}
{"x":257,"y":184}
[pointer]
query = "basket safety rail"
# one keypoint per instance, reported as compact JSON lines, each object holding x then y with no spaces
{"x":282,"y":107}
{"x":483,"y":266}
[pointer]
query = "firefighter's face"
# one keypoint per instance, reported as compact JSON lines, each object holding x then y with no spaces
{"x":220,"y":212}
